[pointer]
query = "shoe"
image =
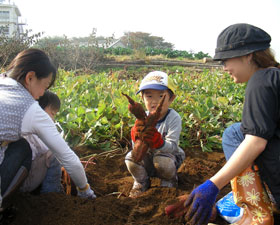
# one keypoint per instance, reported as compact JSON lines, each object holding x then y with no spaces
{"x":169,"y":183}
{"x":139,"y":188}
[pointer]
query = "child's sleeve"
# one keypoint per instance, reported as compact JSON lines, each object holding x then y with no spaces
{"x":171,"y":138}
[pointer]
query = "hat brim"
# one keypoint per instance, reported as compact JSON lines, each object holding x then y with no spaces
{"x":237,"y":52}
{"x":154,"y":87}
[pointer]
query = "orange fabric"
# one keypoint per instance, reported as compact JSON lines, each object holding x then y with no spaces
{"x":249,"y":194}
{"x":66,"y":181}
{"x":152,"y":137}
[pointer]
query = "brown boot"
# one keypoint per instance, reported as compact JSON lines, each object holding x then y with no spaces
{"x":249,"y":194}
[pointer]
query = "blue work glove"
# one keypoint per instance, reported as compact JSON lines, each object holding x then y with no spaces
{"x":200,"y":203}
{"x":86,"y":193}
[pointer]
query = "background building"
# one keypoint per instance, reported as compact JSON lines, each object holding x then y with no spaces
{"x":9,"y":19}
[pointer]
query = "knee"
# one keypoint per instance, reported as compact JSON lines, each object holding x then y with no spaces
{"x":228,"y":132}
{"x":165,"y":167}
{"x":231,"y":132}
{"x":51,"y":161}
{"x":137,"y":171}
{"x":131,"y":166}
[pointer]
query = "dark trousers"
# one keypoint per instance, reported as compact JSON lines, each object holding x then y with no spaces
{"x":17,"y":154}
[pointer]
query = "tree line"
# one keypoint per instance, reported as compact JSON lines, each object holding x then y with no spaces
{"x":87,"y":53}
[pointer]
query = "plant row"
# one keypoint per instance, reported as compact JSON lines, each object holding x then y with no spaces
{"x":94,"y":112}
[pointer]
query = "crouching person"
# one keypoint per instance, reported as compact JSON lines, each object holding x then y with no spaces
{"x":165,"y":156}
{"x":27,"y":78}
{"x":45,"y":168}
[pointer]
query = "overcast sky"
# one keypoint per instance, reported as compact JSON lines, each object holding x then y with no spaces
{"x":188,"y":24}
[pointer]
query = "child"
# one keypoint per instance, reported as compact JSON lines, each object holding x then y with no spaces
{"x":165,"y":157}
{"x":45,"y":168}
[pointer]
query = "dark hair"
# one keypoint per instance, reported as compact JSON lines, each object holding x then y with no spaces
{"x":170,"y":93}
{"x":265,"y":59}
{"x":49,"y":99}
{"x":31,"y":60}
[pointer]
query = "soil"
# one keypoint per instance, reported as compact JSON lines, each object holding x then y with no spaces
{"x":112,"y":182}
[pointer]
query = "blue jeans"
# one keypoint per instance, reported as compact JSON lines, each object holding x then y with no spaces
{"x":232,"y":138}
{"x":52,"y":181}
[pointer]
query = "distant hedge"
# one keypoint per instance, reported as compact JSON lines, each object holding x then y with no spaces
{"x":169,"y":53}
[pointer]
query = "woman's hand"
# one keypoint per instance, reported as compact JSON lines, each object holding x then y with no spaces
{"x":87,"y":192}
{"x":200,"y":203}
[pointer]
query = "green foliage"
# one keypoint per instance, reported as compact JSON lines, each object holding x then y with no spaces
{"x":201,"y":55}
{"x":93,"y":110}
{"x":148,"y":51}
{"x":119,"y":51}
{"x":95,"y":113}
{"x":208,"y":102}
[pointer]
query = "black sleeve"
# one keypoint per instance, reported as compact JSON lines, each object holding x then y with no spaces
{"x":261,"y":108}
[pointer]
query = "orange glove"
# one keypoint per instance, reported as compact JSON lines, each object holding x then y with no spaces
{"x":137,"y":129}
{"x":152,"y":137}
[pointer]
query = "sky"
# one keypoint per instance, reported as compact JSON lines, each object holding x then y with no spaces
{"x":191,"y":25}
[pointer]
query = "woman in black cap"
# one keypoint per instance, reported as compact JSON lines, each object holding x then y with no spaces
{"x":252,"y":148}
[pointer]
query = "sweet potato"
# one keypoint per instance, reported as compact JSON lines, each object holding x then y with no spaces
{"x":140,"y":146}
{"x":178,"y":209}
{"x":139,"y":150}
{"x":136,"y":108}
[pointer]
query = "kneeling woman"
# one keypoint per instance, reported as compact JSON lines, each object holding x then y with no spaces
{"x":27,"y":78}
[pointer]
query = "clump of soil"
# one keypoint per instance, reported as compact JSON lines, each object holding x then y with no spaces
{"x":112,"y":182}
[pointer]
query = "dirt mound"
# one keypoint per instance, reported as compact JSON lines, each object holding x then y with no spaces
{"x":112,"y":183}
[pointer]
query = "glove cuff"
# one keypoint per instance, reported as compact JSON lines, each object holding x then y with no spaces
{"x":212,"y":186}
{"x":83,"y":189}
{"x":160,"y":143}
{"x":157,"y":141}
